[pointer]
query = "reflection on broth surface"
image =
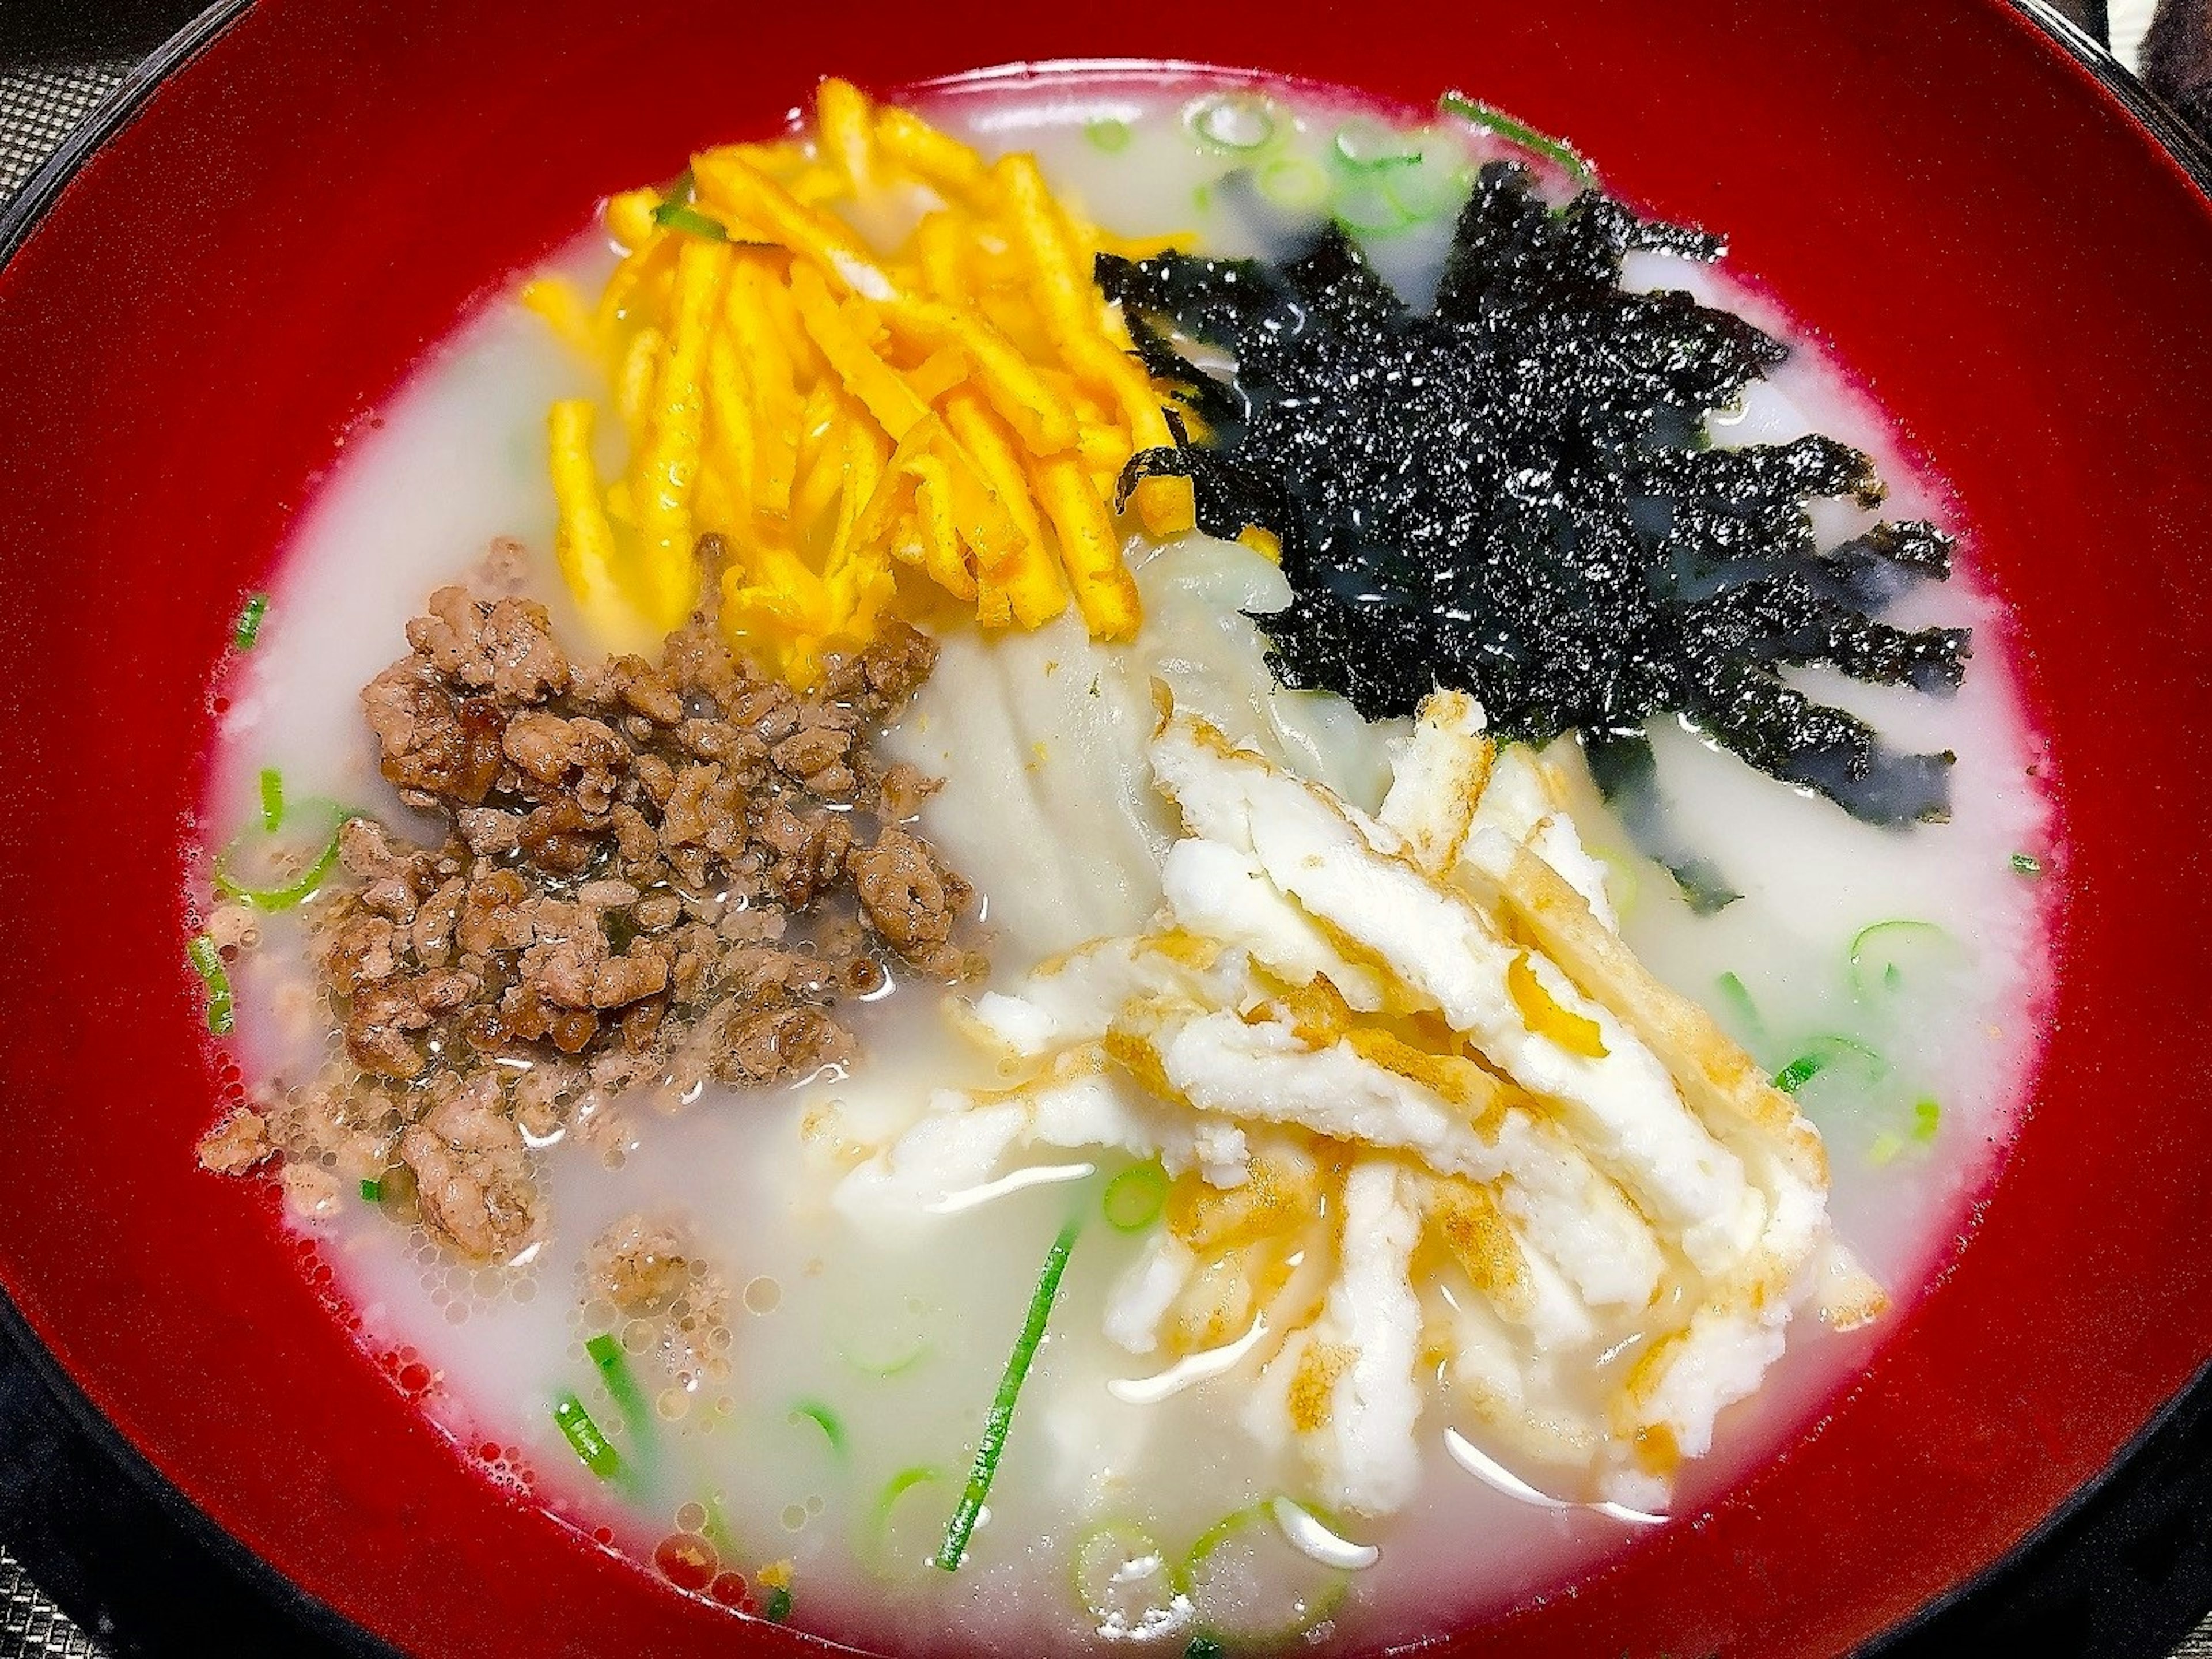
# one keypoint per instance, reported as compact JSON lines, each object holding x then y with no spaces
{"x":877,"y":1057}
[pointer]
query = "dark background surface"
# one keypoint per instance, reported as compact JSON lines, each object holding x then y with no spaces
{"x":2124,"y":1575}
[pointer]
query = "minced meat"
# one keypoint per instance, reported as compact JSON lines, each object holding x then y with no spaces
{"x":647,"y":875}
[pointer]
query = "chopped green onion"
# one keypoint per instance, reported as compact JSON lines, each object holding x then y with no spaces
{"x":874,"y":1534}
{"x":1883,"y":957}
{"x":814,"y":1412}
{"x":593,"y":1449}
{"x":1294,"y":183}
{"x":777,"y":1607}
{"x":1556,"y":151}
{"x":1205,"y":1647}
{"x":207,"y":962}
{"x":993,"y":1440}
{"x":1740,"y":1003}
{"x":272,"y":799}
{"x":677,"y":216}
{"x":1109,"y":133}
{"x":1886,"y":1145}
{"x":1235,"y":1594}
{"x":302,"y":886}
{"x":1927,"y":1119}
{"x":372,"y":1191}
{"x":1365,"y":205}
{"x":1232,"y":120}
{"x":613,"y":1365}
{"x":1365,"y":144}
{"x":716,"y":1530}
{"x":1134,"y":1198}
{"x":2027,"y":864}
{"x":248,"y":627}
{"x":1127,"y":1583}
{"x":1824,"y":1052}
{"x":1799,"y":1073}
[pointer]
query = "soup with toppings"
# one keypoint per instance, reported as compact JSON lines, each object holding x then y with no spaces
{"x":1125,"y":859}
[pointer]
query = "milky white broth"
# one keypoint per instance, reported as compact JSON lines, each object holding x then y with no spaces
{"x":904,"y":1335}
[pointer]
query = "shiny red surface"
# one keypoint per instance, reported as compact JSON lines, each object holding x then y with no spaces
{"x":2015,"y":270}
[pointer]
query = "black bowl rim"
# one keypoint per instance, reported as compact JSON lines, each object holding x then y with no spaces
{"x":2122,"y":1569}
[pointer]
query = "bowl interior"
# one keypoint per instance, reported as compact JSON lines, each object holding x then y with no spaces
{"x":230,"y":286}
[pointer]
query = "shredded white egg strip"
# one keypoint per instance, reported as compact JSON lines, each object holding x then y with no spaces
{"x":1439,"y":1143}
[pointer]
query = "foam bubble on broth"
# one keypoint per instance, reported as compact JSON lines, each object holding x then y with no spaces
{"x":904,"y":1345}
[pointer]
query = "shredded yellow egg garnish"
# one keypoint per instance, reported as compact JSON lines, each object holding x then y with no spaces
{"x":961,"y":406}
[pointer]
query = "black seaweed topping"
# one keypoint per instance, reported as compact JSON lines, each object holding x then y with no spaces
{"x":1514,"y":495}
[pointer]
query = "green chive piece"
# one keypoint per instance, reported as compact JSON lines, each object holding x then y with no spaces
{"x":1294,"y":184}
{"x":2027,"y":864}
{"x":593,"y":1449}
{"x":1889,"y":953}
{"x":1927,"y":1119}
{"x":1556,"y":151}
{"x":1108,"y":134}
{"x":1366,"y":144}
{"x":372,"y":1191}
{"x":1205,"y":1647}
{"x":691,"y":221}
{"x":1134,"y":1199}
{"x":777,"y":1607}
{"x":248,"y":628}
{"x":1740,"y":1003}
{"x":1799,"y":1073}
{"x":717,"y":1530}
{"x":272,"y":799}
{"x":301,"y":887}
{"x":207,"y":962}
{"x":993,"y":1442}
{"x":832,"y":1427}
{"x":614,"y":1370}
{"x":1824,"y":1052}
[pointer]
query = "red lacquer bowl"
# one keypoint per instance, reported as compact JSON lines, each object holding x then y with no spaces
{"x":2008,"y":259}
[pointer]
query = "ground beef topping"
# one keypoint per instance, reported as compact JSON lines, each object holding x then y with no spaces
{"x":644,"y":875}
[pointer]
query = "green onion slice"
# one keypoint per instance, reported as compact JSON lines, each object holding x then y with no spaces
{"x":1108,"y":133}
{"x":613,"y":1366}
{"x":1127,"y":1584}
{"x":992,"y":1443}
{"x":1888,"y":957}
{"x":1238,"y":121}
{"x":593,"y":1449}
{"x":1927,"y":1119}
{"x":716,"y":1531}
{"x":1294,"y":183}
{"x":873,"y":1533}
{"x":777,"y":1607}
{"x":1248,"y":1584}
{"x":372,"y":1191}
{"x":286,"y":895}
{"x":677,"y":216}
{"x":272,"y":799}
{"x":2027,"y":864}
{"x":1847,"y":1055}
{"x":1134,"y":1199}
{"x":207,"y":962}
{"x":1738,"y":998}
{"x":1364,"y":206}
{"x":248,"y":626}
{"x":1365,"y":144}
{"x":1556,"y":151}
{"x":832,"y":1426}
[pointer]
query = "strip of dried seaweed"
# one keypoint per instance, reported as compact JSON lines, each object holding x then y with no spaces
{"x":1513,"y":496}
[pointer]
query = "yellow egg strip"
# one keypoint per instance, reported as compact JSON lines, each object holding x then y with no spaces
{"x":959,"y":408}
